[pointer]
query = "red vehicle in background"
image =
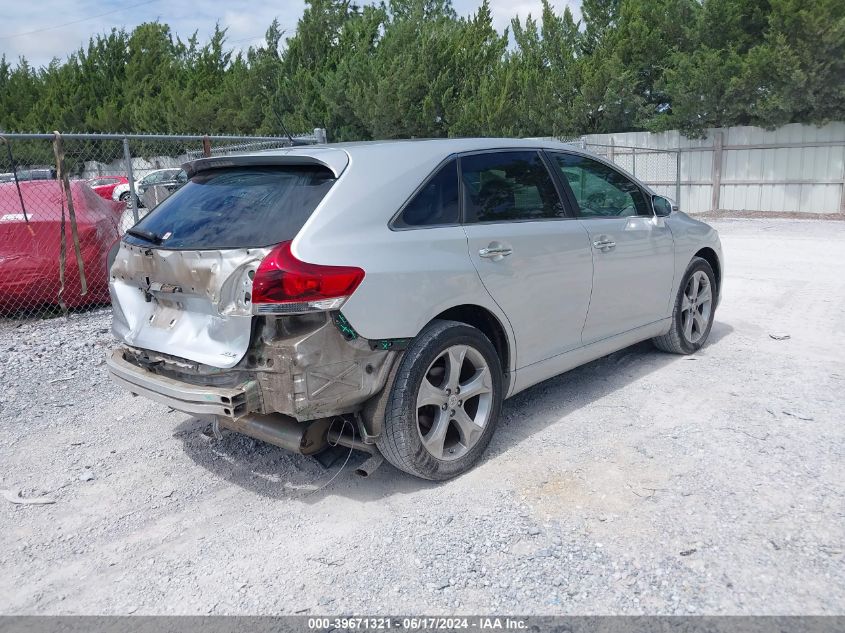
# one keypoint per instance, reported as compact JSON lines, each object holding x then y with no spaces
{"x":104,"y":186}
{"x":30,"y":244}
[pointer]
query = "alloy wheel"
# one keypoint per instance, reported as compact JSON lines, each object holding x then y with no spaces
{"x":454,"y":402}
{"x":696,"y":307}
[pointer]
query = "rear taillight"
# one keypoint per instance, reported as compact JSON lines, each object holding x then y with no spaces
{"x":285,"y":285}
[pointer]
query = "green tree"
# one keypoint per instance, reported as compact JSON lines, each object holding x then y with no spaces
{"x":152,"y":67}
{"x":401,"y":68}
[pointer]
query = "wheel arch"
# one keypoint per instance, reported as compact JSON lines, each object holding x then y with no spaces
{"x":490,"y":325}
{"x":710,"y":256}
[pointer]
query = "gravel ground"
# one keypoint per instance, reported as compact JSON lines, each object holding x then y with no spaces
{"x":640,"y":483}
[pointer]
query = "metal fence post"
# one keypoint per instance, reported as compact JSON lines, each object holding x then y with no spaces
{"x":842,"y":191}
{"x":634,"y":161}
{"x":131,"y":178}
{"x":678,"y":178}
{"x":716,"y":173}
{"x":612,"y":153}
{"x":101,"y":160}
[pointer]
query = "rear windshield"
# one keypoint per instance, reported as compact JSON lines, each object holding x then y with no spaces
{"x":237,"y":208}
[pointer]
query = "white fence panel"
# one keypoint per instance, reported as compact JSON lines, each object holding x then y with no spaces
{"x":796,"y":168}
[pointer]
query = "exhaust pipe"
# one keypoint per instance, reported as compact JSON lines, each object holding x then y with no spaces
{"x":337,"y":437}
{"x":369,"y":467}
{"x":371,"y":464}
{"x":280,"y":430}
{"x":305,"y":438}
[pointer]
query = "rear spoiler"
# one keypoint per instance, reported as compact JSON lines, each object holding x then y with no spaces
{"x":333,"y":159}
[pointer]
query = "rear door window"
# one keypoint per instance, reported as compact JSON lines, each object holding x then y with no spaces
{"x":508,"y":186}
{"x":237,"y":208}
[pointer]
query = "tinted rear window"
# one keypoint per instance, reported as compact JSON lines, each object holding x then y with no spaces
{"x":237,"y":208}
{"x":436,"y":203}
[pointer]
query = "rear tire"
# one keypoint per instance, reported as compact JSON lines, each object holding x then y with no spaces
{"x":443,"y":403}
{"x":692,"y":315}
{"x":124,"y":197}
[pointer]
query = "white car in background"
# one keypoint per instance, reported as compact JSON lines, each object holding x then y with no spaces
{"x":388,"y":296}
{"x":149,"y":190}
{"x":170,"y":178}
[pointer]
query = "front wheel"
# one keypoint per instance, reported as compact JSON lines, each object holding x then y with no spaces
{"x":443,"y":403}
{"x":692,"y":316}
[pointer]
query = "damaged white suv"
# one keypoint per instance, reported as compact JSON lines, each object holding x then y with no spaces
{"x":388,"y":296}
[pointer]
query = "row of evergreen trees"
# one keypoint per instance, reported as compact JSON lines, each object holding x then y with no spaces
{"x":414,"y":68}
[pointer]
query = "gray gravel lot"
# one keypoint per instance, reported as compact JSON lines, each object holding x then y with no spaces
{"x":640,"y":483}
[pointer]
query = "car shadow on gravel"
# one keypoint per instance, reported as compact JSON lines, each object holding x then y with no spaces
{"x":532,"y":410}
{"x":273,"y":472}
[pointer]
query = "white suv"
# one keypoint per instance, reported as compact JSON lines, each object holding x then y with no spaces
{"x":388,"y":296}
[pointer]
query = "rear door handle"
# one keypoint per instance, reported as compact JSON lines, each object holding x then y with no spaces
{"x":604,"y":244}
{"x":495,"y":251}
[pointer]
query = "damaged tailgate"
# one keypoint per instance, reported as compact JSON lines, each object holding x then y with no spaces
{"x":181,"y":279}
{"x":191,"y":304}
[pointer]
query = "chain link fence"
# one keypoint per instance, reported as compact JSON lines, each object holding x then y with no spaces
{"x":66,"y":199}
{"x":660,"y":169}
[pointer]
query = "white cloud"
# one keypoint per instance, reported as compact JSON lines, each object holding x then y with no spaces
{"x":503,"y":10}
{"x":246,"y":20}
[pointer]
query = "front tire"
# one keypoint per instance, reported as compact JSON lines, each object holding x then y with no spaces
{"x":692,"y":316}
{"x":444,"y":402}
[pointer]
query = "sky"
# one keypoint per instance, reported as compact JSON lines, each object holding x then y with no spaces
{"x":58,"y":27}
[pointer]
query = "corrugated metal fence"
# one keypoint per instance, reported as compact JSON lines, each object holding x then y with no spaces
{"x":796,"y":168}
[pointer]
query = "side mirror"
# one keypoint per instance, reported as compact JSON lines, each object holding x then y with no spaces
{"x":663,"y":207}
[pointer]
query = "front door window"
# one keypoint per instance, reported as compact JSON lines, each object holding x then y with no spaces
{"x":600,"y":190}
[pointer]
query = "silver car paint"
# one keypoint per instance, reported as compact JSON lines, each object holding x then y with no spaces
{"x":189,"y":304}
{"x":531,"y":375}
{"x":411,"y":276}
{"x":632,"y":280}
{"x":414,"y":275}
{"x":354,"y":214}
{"x":690,"y":237}
{"x":543,"y":286}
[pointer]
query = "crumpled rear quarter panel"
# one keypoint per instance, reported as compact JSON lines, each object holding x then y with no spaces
{"x":316,"y":372}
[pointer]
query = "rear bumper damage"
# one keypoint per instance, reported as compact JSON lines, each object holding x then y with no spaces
{"x":308,"y":367}
{"x":194,"y":399}
{"x":230,"y":407}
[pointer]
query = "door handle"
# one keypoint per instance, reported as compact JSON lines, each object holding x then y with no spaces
{"x":604,"y":244}
{"x":495,"y":251}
